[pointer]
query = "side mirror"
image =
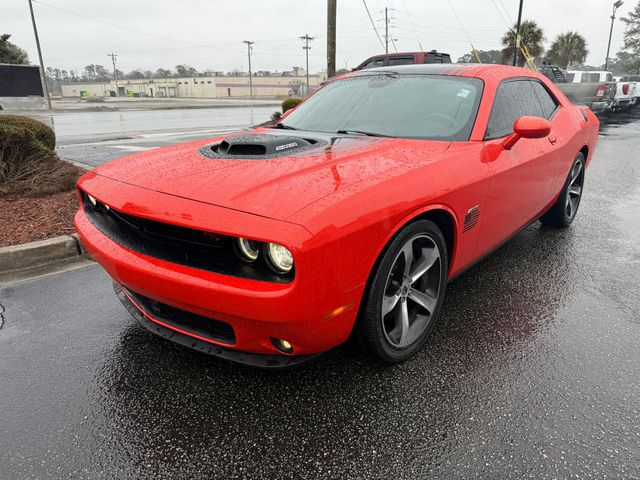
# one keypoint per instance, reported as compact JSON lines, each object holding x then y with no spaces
{"x":527,"y":127}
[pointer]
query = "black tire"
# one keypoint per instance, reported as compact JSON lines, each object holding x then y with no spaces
{"x":564,"y":210}
{"x":424,"y":238}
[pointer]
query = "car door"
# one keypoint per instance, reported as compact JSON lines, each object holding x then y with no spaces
{"x":520,"y":178}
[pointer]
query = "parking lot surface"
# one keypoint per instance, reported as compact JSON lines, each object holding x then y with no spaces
{"x":532,"y":372}
{"x":92,"y":138}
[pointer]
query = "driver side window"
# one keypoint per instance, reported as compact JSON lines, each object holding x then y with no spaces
{"x":514,"y":98}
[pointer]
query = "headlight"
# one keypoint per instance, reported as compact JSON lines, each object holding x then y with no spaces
{"x":248,"y":249}
{"x":280,"y":259}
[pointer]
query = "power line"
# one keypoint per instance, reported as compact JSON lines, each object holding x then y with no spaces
{"x":502,"y":17}
{"x":455,"y":14}
{"x":115,"y":25}
{"x":404,"y":2}
{"x":464,"y":31}
{"x":372,"y":23}
{"x":506,"y":12}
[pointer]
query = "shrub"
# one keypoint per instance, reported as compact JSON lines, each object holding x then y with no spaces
{"x":290,"y":103}
{"x":39,"y":131}
{"x":28,"y":167}
{"x":275,"y":116}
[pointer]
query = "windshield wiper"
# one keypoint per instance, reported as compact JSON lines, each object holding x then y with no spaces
{"x":362,"y":132}
{"x":285,"y":127}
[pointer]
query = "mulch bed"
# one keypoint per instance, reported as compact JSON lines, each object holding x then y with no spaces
{"x":26,"y":219}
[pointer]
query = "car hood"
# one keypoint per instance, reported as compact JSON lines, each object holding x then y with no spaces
{"x":268,"y":172}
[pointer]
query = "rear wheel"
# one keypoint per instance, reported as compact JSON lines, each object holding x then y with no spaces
{"x":406,"y":292}
{"x":562,"y":213}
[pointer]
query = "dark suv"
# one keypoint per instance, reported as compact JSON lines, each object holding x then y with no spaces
{"x":405,"y":58}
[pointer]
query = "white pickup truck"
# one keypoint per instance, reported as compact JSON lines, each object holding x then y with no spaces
{"x":592,"y":89}
{"x":628,"y":88}
{"x":624,"y":97}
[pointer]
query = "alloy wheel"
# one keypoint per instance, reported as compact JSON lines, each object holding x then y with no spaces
{"x":575,"y":189}
{"x":412,"y":291}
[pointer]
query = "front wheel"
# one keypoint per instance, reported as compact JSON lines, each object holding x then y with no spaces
{"x":562,"y":213}
{"x":405,"y":294}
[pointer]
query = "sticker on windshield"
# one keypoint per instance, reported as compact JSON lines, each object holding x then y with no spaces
{"x":463,"y":92}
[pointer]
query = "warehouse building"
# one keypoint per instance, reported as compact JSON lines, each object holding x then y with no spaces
{"x":266,"y":85}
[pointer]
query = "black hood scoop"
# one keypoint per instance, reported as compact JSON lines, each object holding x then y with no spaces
{"x":260,"y":146}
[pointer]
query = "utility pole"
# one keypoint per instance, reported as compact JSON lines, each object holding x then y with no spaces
{"x":616,"y":5}
{"x":386,"y":30}
{"x":515,"y":50}
{"x":249,"y":47}
{"x":331,"y":37}
{"x":43,"y":78}
{"x":115,"y":71}
{"x":306,"y":39}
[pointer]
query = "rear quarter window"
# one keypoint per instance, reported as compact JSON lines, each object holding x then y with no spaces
{"x":547,"y":102}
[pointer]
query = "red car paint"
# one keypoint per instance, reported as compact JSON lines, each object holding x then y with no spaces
{"x":335,"y":209}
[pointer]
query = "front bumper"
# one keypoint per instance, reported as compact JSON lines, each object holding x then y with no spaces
{"x":245,"y":358}
{"x":621,"y":102}
{"x":298,"y":312}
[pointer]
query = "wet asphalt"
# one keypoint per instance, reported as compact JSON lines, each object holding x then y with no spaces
{"x":532,"y":372}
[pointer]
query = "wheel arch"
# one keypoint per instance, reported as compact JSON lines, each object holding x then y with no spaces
{"x":443,"y":216}
{"x":585,"y":151}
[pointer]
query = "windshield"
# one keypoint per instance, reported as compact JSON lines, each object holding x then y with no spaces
{"x":387,"y":104}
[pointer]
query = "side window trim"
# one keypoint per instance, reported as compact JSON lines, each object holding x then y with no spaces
{"x":553,"y":97}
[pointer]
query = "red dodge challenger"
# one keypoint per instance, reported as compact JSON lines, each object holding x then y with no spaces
{"x":351,"y":215}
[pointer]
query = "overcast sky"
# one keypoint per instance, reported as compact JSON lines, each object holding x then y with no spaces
{"x":207,"y":34}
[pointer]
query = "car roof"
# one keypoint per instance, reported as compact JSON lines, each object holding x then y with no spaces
{"x":456,"y":69}
{"x":393,"y":54}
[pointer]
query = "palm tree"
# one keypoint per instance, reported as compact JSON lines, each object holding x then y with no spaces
{"x":531,"y":35}
{"x":568,"y":48}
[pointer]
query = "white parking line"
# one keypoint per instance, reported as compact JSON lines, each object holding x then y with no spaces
{"x":131,"y":148}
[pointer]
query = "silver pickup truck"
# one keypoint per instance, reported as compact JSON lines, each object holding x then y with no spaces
{"x":597,"y":91}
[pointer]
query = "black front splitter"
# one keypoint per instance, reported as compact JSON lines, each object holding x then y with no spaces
{"x":237,"y":356}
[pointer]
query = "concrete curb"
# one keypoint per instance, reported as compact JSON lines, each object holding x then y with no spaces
{"x":38,"y":258}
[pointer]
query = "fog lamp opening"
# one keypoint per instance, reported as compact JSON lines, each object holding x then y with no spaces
{"x":282,"y":345}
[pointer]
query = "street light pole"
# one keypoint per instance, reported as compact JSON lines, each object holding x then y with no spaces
{"x":616,"y":5}
{"x":43,"y":78}
{"x":306,"y":39}
{"x":249,"y":43}
{"x":515,"y":50}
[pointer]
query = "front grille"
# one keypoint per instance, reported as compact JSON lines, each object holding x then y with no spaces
{"x":200,"y":249}
{"x":186,"y":321}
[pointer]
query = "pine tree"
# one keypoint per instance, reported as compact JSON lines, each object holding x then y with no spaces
{"x":632,"y":36}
